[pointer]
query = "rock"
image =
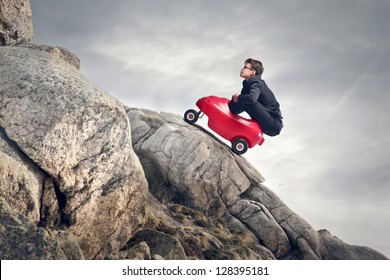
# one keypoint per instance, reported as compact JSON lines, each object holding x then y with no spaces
{"x":57,"y":52}
{"x":81,"y":140}
{"x":141,"y":251}
{"x":15,"y":22}
{"x":68,"y":244}
{"x":260,"y":221}
{"x":339,"y":250}
{"x":162,"y":244}
{"x":21,"y":180}
{"x":271,"y":210}
{"x":203,"y":237}
{"x":21,"y":239}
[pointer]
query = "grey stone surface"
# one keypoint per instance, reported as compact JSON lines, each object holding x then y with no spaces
{"x":15,"y":22}
{"x":21,"y":239}
{"x":80,"y":137}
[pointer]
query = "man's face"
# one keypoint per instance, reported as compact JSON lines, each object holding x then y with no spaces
{"x":247,"y":71}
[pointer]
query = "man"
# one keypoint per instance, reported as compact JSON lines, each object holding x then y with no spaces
{"x":257,"y":99}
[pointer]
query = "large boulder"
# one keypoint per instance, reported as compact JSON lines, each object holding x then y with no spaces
{"x":79,"y":138}
{"x":15,"y":22}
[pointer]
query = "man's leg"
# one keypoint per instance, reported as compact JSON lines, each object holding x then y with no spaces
{"x":267,"y":123}
{"x":236,"y":108}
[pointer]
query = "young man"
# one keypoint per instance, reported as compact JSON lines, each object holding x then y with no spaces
{"x":257,"y":99}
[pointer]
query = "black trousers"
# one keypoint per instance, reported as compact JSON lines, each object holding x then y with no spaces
{"x":259,"y":113}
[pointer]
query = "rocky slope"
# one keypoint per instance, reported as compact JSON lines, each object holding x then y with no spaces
{"x":84,"y":177}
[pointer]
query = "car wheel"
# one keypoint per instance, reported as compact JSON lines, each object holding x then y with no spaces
{"x":239,"y":146}
{"x":191,"y":116}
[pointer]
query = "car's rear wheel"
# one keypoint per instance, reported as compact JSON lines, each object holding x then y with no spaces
{"x":239,"y":146}
{"x":191,"y":116}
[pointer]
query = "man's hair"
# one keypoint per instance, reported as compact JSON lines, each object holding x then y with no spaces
{"x":256,"y":65}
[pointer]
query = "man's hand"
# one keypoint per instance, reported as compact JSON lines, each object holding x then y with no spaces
{"x":235,"y":97}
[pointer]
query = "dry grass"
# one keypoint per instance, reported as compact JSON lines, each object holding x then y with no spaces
{"x":204,"y":237}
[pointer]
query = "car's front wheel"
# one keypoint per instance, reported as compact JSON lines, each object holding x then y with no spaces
{"x":239,"y":146}
{"x":191,"y":116}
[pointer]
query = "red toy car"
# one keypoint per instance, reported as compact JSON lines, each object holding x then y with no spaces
{"x":241,"y":132}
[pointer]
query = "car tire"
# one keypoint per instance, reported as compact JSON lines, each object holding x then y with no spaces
{"x":191,"y":116}
{"x":239,"y":146}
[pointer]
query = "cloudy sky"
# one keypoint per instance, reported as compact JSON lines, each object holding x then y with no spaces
{"x":326,"y":61}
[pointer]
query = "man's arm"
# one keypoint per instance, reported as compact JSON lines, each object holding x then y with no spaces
{"x":253,"y":95}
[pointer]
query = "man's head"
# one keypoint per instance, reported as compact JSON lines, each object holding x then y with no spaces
{"x":255,"y":65}
{"x":251,"y":68}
